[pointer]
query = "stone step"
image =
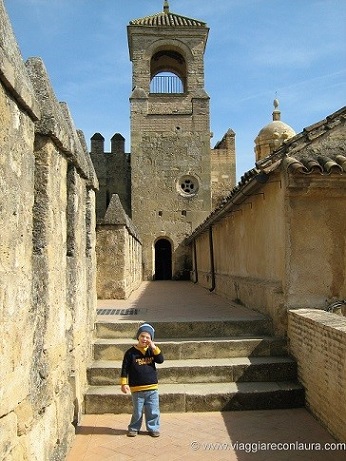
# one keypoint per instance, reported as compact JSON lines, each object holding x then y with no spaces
{"x":201,"y":397}
{"x":257,"y":325}
{"x":240,"y":369}
{"x":197,"y":348}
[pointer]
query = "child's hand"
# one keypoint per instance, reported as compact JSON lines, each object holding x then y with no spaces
{"x":152,"y":345}
{"x":125,"y":389}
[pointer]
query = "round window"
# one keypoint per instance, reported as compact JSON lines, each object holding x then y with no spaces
{"x":187,"y":185}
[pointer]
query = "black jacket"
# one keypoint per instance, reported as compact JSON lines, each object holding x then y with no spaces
{"x":139,"y":370}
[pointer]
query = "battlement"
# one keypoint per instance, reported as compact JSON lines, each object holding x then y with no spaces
{"x":97,"y":144}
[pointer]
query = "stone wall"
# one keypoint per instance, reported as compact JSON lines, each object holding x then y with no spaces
{"x":113,"y":171}
{"x":47,"y":254}
{"x":165,"y":152}
{"x":317,"y":340}
{"x":223,"y":168}
{"x":119,"y":254}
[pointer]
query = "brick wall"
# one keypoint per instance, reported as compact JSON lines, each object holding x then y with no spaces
{"x":317,"y":340}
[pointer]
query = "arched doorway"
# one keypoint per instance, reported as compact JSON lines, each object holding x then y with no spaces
{"x":163,"y":260}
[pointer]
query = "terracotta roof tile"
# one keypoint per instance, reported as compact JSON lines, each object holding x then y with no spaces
{"x":320,"y":164}
{"x":167,"y":20}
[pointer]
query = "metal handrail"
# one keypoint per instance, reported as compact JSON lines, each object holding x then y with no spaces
{"x":335,"y":305}
{"x":167,"y":84}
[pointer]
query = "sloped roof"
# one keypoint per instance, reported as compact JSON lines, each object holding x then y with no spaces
{"x":297,"y":155}
{"x":116,"y":216}
{"x":167,"y":19}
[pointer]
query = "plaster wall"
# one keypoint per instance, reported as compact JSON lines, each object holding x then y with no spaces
{"x":316,"y":240}
{"x":283,"y":245}
{"x":249,"y":249}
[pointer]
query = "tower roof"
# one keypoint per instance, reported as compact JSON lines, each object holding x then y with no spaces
{"x":167,"y":19}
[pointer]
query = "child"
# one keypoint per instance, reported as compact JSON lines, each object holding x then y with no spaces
{"x":139,"y":376}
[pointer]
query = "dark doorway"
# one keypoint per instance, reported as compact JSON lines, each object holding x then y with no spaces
{"x":163,"y":260}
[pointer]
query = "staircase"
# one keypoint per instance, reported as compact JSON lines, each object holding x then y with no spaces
{"x":209,"y":366}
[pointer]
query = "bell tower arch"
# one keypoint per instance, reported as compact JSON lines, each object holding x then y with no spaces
{"x":170,"y":132}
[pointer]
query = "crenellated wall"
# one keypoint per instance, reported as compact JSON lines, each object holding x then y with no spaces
{"x":113,"y":171}
{"x":47,"y":261}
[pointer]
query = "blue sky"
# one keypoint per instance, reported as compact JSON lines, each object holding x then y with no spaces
{"x":257,"y":50}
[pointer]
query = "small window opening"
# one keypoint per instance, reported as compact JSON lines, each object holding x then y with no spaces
{"x":188,"y":186}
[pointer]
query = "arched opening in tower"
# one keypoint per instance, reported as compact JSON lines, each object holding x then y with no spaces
{"x":168,"y":72}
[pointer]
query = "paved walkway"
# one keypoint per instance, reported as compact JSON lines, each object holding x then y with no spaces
{"x":167,"y":301}
{"x":266,"y":435}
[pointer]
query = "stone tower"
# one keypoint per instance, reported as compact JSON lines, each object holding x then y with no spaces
{"x":170,"y":138}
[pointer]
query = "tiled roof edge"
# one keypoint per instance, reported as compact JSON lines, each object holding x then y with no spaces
{"x":254,"y":179}
{"x":300,"y":140}
{"x":167,"y":19}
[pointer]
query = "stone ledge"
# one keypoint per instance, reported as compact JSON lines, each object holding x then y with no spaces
{"x":13,"y":74}
{"x":325,"y":319}
{"x":56,"y":121}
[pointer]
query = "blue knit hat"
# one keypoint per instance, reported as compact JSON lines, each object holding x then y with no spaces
{"x":147,"y":328}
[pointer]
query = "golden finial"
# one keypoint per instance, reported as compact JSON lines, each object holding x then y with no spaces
{"x":166,"y":7}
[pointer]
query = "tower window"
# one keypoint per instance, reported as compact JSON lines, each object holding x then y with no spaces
{"x":187,"y":185}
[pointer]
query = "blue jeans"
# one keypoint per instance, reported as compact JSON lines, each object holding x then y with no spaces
{"x":146,"y":402}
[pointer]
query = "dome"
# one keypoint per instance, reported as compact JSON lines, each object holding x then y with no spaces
{"x":273,"y":135}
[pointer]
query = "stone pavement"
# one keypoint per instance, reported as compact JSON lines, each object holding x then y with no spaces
{"x":264,"y":435}
{"x":208,"y":437}
{"x":169,"y":300}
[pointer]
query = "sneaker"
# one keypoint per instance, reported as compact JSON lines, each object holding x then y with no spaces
{"x":131,"y":433}
{"x":154,"y":433}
